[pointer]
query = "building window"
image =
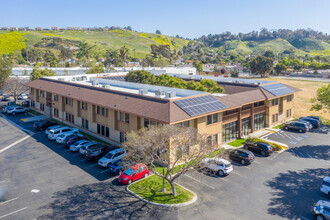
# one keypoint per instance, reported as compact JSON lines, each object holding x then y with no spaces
{"x":246,"y":107}
{"x":290,"y":98}
{"x":275,"y":118}
{"x":42,"y":93}
{"x":230,"y":112}
{"x":56,"y":113}
{"x":288,"y":113}
{"x":209,"y":139}
{"x":42,"y":107}
{"x":259,"y":121}
{"x":84,"y":106}
{"x":215,"y":139}
{"x":84,"y":123}
{"x":69,"y":117}
{"x":55,"y":97}
{"x":102,"y":111}
{"x":230,"y":131}
{"x":274,"y":102}
{"x":212,"y":119}
{"x":68,"y":101}
{"x":103,"y":130}
{"x":124,"y":117}
{"x":183,"y":124}
{"x":122,"y":137}
{"x":246,"y":126}
{"x":261,"y":103}
{"x":32,"y":91}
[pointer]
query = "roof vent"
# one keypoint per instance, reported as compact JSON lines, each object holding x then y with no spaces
{"x":95,"y":83}
{"x":84,"y":78}
{"x":237,"y":81}
{"x":169,"y":95}
{"x":61,"y":79}
{"x":143,"y":91}
{"x":106,"y":86}
{"x":159,"y":93}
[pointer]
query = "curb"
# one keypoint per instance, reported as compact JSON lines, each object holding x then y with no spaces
{"x":17,"y":126}
{"x":194,"y":199}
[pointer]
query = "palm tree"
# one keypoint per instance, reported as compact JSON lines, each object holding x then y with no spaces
{"x":123,"y":53}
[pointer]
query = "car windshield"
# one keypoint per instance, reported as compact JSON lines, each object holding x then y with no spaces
{"x":109,"y":155}
{"x":10,"y":108}
{"x":228,"y":165}
{"x":129,"y":172}
{"x":326,"y":183}
{"x":62,"y":135}
{"x":51,"y":132}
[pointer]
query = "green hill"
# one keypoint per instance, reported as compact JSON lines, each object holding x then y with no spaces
{"x":307,"y":44}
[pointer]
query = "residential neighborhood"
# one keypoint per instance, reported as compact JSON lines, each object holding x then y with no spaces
{"x":102,"y":117}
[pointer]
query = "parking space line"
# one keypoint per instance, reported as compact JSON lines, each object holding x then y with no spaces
{"x":13,"y":144}
{"x":3,"y":181}
{"x":93,"y":165}
{"x":67,"y":150}
{"x":199,"y":181}
{"x":1,"y":203}
{"x":304,"y":218}
{"x":104,"y":171}
{"x":83,"y":159}
{"x":256,"y":162}
{"x":13,"y":212}
{"x":238,"y":174}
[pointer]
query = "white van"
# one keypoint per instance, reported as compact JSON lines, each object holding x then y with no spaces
{"x":325,"y":187}
{"x":53,"y":133}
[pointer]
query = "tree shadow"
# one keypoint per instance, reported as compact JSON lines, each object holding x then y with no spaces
{"x":312,"y":151}
{"x":295,"y":192}
{"x":104,"y":200}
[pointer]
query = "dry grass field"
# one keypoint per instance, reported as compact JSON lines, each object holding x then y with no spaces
{"x":303,"y":99}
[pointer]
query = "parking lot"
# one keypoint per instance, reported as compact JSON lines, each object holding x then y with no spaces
{"x":44,"y":180}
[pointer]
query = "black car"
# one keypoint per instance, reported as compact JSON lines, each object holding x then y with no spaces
{"x":296,"y":125}
{"x":314,"y":122}
{"x":242,"y":156}
{"x":259,"y":147}
{"x":95,"y":152}
{"x":43,"y":125}
{"x":72,"y":139}
{"x":316,"y":118}
{"x":119,"y":166}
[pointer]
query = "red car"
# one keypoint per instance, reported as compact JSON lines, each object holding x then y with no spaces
{"x":136,"y":172}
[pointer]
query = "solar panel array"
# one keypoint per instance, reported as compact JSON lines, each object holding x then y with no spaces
{"x":200,"y":105}
{"x":277,"y":89}
{"x":119,"y":78}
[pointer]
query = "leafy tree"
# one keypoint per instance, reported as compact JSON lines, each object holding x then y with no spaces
{"x":261,"y":65}
{"x":233,"y":73}
{"x":270,"y":54}
{"x":53,"y":63}
{"x":323,"y":98}
{"x":158,"y":32}
{"x":37,"y":73}
{"x":15,"y":86}
{"x":96,"y":69}
{"x":5,"y":69}
{"x":128,"y":28}
{"x":279,"y":68}
{"x":199,"y":66}
{"x":160,"y":50}
{"x":155,"y":145}
{"x":123,"y":54}
{"x":85,"y":50}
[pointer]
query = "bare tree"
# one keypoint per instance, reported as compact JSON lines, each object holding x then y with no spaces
{"x":178,"y":149}
{"x":15,"y":86}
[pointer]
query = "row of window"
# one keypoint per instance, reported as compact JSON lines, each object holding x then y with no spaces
{"x":102,"y":111}
{"x":212,"y":139}
{"x":84,"y":123}
{"x":103,"y":130}
{"x":124,"y":117}
{"x":68,"y":101}
{"x":42,"y":107}
{"x":84,"y":106}
{"x":288,"y":113}
{"x":211,"y":119}
{"x":56,"y":112}
{"x":183,"y":124}
{"x":69,"y":117}
{"x":148,"y":123}
{"x":41,"y":93}
{"x":275,"y":118}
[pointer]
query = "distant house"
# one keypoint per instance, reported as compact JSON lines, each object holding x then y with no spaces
{"x":76,"y":28}
{"x":69,"y":28}
{"x":4,"y":28}
{"x":73,"y":60}
{"x":133,"y":64}
{"x":13,"y":28}
{"x":54,"y":28}
{"x":62,"y":29}
{"x":37,"y":28}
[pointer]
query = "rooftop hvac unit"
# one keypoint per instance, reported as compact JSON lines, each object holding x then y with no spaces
{"x":73,"y":79}
{"x":106,"y":86}
{"x":143,"y":91}
{"x":159,"y":93}
{"x":170,"y":95}
{"x":61,"y":79}
{"x":84,"y":78}
{"x":95,"y":83}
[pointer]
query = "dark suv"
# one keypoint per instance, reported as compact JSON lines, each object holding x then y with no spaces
{"x":242,"y":156}
{"x":314,"y":122}
{"x":73,"y":138}
{"x":43,"y":125}
{"x":298,"y":126}
{"x":316,"y":118}
{"x":259,"y":147}
{"x":95,"y":152}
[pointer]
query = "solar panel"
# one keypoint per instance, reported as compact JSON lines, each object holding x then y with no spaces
{"x":119,"y":78}
{"x":278,"y":89}
{"x":200,"y":105}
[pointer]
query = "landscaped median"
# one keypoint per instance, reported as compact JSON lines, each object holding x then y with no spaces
{"x":150,"y":190}
{"x":276,"y":146}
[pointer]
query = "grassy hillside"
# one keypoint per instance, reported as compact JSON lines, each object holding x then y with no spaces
{"x":11,"y":42}
{"x":307,"y":44}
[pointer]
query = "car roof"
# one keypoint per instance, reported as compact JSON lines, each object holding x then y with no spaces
{"x":218,"y":159}
{"x":244,"y":151}
{"x":56,"y":129}
{"x":116,"y":150}
{"x":324,"y":203}
{"x":138,"y":165}
{"x":327,"y":179}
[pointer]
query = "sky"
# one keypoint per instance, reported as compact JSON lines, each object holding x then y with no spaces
{"x":187,"y":18}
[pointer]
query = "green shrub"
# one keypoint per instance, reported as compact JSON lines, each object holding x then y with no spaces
{"x":276,"y":147}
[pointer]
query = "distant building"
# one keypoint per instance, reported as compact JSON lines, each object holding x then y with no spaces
{"x":76,"y":28}
{"x":13,"y":28}
{"x":37,"y":28}
{"x":4,"y":28}
{"x":54,"y":28}
{"x":69,"y":28}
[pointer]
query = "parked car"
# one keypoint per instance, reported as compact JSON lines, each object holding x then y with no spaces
{"x":84,"y":147}
{"x":325,"y":187}
{"x":259,"y":147}
{"x":218,"y":165}
{"x":112,"y":156}
{"x":296,"y":125}
{"x":61,"y":137}
{"x":94,"y":153}
{"x":26,"y":103}
{"x":76,"y":145}
{"x":16,"y":109}
{"x":68,"y":141}
{"x":242,"y":156}
{"x":322,"y":210}
{"x":7,"y":98}
{"x":52,"y":128}
{"x":314,"y":122}
{"x":316,"y":118}
{"x":54,"y":133}
{"x":308,"y":124}
{"x":5,"y":109}
{"x":133,"y":173}
{"x":119,"y":166}
{"x":23,"y":96}
{"x":43,"y":125}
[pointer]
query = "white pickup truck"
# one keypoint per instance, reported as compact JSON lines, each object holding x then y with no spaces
{"x":218,"y":165}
